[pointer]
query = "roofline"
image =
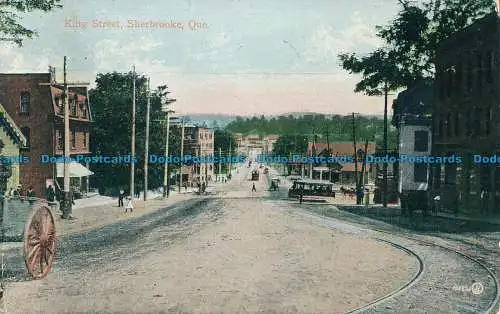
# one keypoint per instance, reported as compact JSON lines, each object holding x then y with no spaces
{"x":14,"y":126}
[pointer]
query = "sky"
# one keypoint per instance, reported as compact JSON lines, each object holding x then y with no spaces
{"x":241,"y":57}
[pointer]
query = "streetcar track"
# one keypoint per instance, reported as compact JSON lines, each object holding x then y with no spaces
{"x":405,"y":287}
{"x":492,"y":304}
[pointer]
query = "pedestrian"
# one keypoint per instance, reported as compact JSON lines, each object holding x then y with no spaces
{"x":120,"y":198}
{"x":484,"y":201}
{"x":301,"y":196}
{"x":129,"y":205}
{"x":253,"y":188}
{"x":31,"y":195}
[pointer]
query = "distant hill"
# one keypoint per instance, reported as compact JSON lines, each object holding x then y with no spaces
{"x":224,"y":119}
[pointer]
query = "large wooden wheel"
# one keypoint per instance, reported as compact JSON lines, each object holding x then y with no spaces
{"x":40,"y":243}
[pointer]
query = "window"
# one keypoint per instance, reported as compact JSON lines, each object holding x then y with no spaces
{"x":83,"y":109}
{"x":489,"y":117}
{"x":25,"y":102}
{"x":420,"y":172}
{"x":85,"y":138}
{"x":480,"y":73}
{"x":457,"y":124}
{"x":469,"y":77}
{"x":459,"y":78}
{"x":73,"y":139}
{"x":489,"y":68}
{"x":421,"y":141}
{"x":73,"y":107}
{"x":26,"y":133}
{"x":59,"y":139}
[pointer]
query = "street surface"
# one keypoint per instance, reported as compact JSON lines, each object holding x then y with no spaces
{"x":243,"y":252}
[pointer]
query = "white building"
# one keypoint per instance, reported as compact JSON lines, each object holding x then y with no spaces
{"x":414,"y":152}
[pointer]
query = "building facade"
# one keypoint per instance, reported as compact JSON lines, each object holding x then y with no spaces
{"x":465,"y":116}
{"x":343,"y":173}
{"x":34,"y":101}
{"x":12,"y":143}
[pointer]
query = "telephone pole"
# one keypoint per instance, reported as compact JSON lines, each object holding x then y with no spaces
{"x":355,"y":157}
{"x":220,"y":153}
{"x":146,"y":151}
{"x":182,"y":156}
{"x":385,"y":145}
{"x":166,"y":183}
{"x":132,"y":164}
{"x":67,"y":193}
{"x":328,"y":152}
{"x":230,"y":155}
{"x":66,"y":206}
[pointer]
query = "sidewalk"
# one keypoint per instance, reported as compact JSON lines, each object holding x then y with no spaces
{"x":99,"y":211}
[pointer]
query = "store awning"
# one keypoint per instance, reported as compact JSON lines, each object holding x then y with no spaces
{"x":76,"y":170}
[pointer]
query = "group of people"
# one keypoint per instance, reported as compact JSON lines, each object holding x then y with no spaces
{"x":121,"y":197}
{"x":16,"y":194}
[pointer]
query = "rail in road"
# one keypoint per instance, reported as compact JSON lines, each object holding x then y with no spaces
{"x":480,"y":290}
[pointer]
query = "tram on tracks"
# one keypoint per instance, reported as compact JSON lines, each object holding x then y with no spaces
{"x":415,"y":142}
{"x":314,"y":190}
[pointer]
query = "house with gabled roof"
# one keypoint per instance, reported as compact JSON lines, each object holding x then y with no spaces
{"x":12,"y":141}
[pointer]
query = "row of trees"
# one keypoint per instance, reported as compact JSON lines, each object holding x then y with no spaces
{"x":111,"y":131}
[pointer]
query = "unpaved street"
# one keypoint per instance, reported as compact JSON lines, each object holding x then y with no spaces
{"x":220,"y":255}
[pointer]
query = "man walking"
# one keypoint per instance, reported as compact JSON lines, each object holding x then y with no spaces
{"x":253,"y":188}
{"x":484,"y":201}
{"x":120,"y":198}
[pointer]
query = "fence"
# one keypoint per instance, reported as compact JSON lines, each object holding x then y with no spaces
{"x":14,"y":214}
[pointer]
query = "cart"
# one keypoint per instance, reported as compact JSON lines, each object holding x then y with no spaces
{"x":32,"y":221}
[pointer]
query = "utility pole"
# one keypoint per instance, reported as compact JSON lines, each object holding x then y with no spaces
{"x":220,"y":153}
{"x":355,"y":157}
{"x":132,"y":164}
{"x":230,"y":155}
{"x":166,"y":183}
{"x":312,"y":151}
{"x":67,"y":193}
{"x":328,"y":152}
{"x":146,"y":151}
{"x":182,"y":156}
{"x":385,"y":145}
{"x":66,"y":206}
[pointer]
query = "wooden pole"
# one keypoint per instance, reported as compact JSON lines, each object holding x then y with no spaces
{"x":146,"y":151}
{"x":355,"y":157}
{"x":182,"y":157}
{"x":67,"y":207}
{"x":132,"y":164}
{"x":385,"y":146}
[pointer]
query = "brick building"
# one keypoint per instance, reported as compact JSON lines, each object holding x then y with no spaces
{"x":465,"y":121}
{"x":38,"y":110}
{"x":198,"y":142}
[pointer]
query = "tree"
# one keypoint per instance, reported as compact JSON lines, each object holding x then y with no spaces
{"x":9,"y":25}
{"x":224,"y":140}
{"x":414,"y":35}
{"x":111,"y":131}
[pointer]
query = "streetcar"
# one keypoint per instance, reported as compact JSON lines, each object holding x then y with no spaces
{"x":317,"y":190}
{"x":255,"y":175}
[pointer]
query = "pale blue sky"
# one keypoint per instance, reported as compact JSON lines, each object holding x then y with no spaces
{"x":255,"y":57}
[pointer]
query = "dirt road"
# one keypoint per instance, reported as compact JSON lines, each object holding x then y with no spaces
{"x":237,"y":256}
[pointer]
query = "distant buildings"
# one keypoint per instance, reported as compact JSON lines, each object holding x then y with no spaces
{"x":343,"y":173}
{"x":37,"y":109}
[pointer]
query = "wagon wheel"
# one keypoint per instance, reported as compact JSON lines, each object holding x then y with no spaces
{"x":40,"y":243}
